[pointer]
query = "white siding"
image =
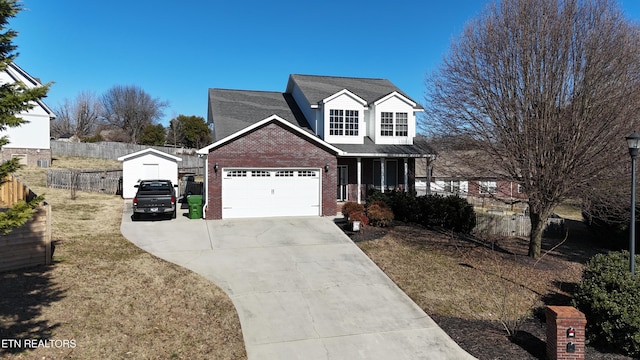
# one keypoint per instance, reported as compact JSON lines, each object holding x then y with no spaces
{"x":310,"y":114}
{"x":34,"y":134}
{"x":344,"y":102}
{"x":393,"y":104}
{"x":139,"y":168}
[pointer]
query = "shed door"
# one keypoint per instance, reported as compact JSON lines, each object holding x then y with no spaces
{"x":270,"y":192}
{"x":150,"y":171}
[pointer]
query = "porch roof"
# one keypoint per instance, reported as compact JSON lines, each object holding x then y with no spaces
{"x":419,"y":149}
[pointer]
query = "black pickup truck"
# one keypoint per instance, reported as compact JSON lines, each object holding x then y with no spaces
{"x":155,"y":197}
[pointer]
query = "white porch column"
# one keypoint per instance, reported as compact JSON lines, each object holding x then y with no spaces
{"x":406,"y":175}
{"x":383,"y":183}
{"x":359,"y":173}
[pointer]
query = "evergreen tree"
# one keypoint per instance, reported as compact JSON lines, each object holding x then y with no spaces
{"x":15,"y":98}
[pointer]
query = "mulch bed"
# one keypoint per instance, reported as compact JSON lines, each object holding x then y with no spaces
{"x":488,"y":339}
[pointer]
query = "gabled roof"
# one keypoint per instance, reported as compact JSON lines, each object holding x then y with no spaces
{"x":150,"y":151}
{"x":271,"y":119}
{"x":234,"y":110}
{"x":18,"y":75}
{"x":317,"y":88}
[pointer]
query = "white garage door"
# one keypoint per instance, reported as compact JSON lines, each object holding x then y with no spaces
{"x":270,"y":192}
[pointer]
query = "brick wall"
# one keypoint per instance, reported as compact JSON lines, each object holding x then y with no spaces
{"x":271,"y":146}
{"x":31,"y":156}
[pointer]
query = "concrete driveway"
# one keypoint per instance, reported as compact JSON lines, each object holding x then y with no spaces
{"x":302,"y":289}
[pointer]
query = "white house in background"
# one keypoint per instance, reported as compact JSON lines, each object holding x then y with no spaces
{"x":147,"y":164}
{"x":30,"y":141}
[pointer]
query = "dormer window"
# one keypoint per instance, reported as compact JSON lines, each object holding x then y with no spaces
{"x":391,"y":125}
{"x":343,"y":122}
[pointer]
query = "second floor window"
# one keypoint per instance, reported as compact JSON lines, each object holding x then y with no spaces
{"x":386,"y":124}
{"x":343,"y":122}
{"x":402,"y":124}
{"x":391,"y":125}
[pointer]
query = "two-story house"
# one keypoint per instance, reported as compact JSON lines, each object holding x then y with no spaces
{"x":323,"y":141}
{"x":30,"y":141}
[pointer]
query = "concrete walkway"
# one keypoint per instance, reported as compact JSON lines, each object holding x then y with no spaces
{"x":302,"y":289}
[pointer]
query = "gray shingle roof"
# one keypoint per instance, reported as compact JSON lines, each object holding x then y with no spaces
{"x":317,"y":88}
{"x":234,"y":110}
{"x":369,"y":148}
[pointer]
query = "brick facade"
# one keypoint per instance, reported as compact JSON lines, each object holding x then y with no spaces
{"x":271,"y":146}
{"x":32,"y":157}
{"x":559,"y":320}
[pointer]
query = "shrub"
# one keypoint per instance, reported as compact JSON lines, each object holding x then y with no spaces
{"x":607,"y":295}
{"x":379,"y":214}
{"x":350,"y":207}
{"x":450,"y":212}
{"x":359,"y":216}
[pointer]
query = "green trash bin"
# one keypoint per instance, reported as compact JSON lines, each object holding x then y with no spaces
{"x":195,"y":206}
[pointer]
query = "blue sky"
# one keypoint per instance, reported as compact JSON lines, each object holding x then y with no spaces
{"x":175,"y":51}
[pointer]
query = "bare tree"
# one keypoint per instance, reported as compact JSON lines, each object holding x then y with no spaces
{"x":131,"y":109}
{"x":79,"y":117}
{"x":547,"y":89}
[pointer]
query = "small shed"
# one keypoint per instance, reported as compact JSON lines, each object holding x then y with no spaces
{"x":147,"y":164}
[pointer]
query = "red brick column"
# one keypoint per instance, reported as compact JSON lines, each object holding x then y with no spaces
{"x":560,"y":319}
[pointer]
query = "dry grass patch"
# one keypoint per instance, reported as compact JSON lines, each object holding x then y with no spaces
{"x":456,"y":278}
{"x":113,"y":299}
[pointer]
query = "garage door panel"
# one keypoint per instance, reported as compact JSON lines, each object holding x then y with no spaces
{"x":270,"y":192}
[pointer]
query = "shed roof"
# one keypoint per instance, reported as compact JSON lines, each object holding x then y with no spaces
{"x":149,"y":151}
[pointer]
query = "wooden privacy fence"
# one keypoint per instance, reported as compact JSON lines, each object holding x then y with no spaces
{"x":30,"y":244}
{"x":114,"y":150}
{"x":103,"y":181}
{"x":514,"y":225}
{"x":13,"y":191}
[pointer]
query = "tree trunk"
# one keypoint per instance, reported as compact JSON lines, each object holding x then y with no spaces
{"x":538,"y":224}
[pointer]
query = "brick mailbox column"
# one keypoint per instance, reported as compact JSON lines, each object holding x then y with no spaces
{"x":565,"y":333}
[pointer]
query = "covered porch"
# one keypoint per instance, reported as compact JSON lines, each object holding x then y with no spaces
{"x":358,"y":176}
{"x":364,"y":167}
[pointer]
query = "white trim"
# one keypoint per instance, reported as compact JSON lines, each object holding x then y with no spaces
{"x":406,"y":175}
{"x":398,"y":95}
{"x":345,"y":92}
{"x":359,"y":172}
{"x":273,"y":118}
{"x":149,"y":150}
{"x":18,"y":74}
{"x":206,"y":188}
{"x":386,"y":155}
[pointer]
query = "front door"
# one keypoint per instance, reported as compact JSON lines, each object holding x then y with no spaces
{"x":342,"y":182}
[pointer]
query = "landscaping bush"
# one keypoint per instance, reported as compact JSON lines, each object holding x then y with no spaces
{"x":359,"y":216}
{"x":350,"y":207}
{"x":608,"y":296}
{"x":379,"y":214}
{"x":450,"y":212}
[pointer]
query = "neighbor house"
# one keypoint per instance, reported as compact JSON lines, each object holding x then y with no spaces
{"x":30,"y":141}
{"x":457,"y":173}
{"x":324,"y":141}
